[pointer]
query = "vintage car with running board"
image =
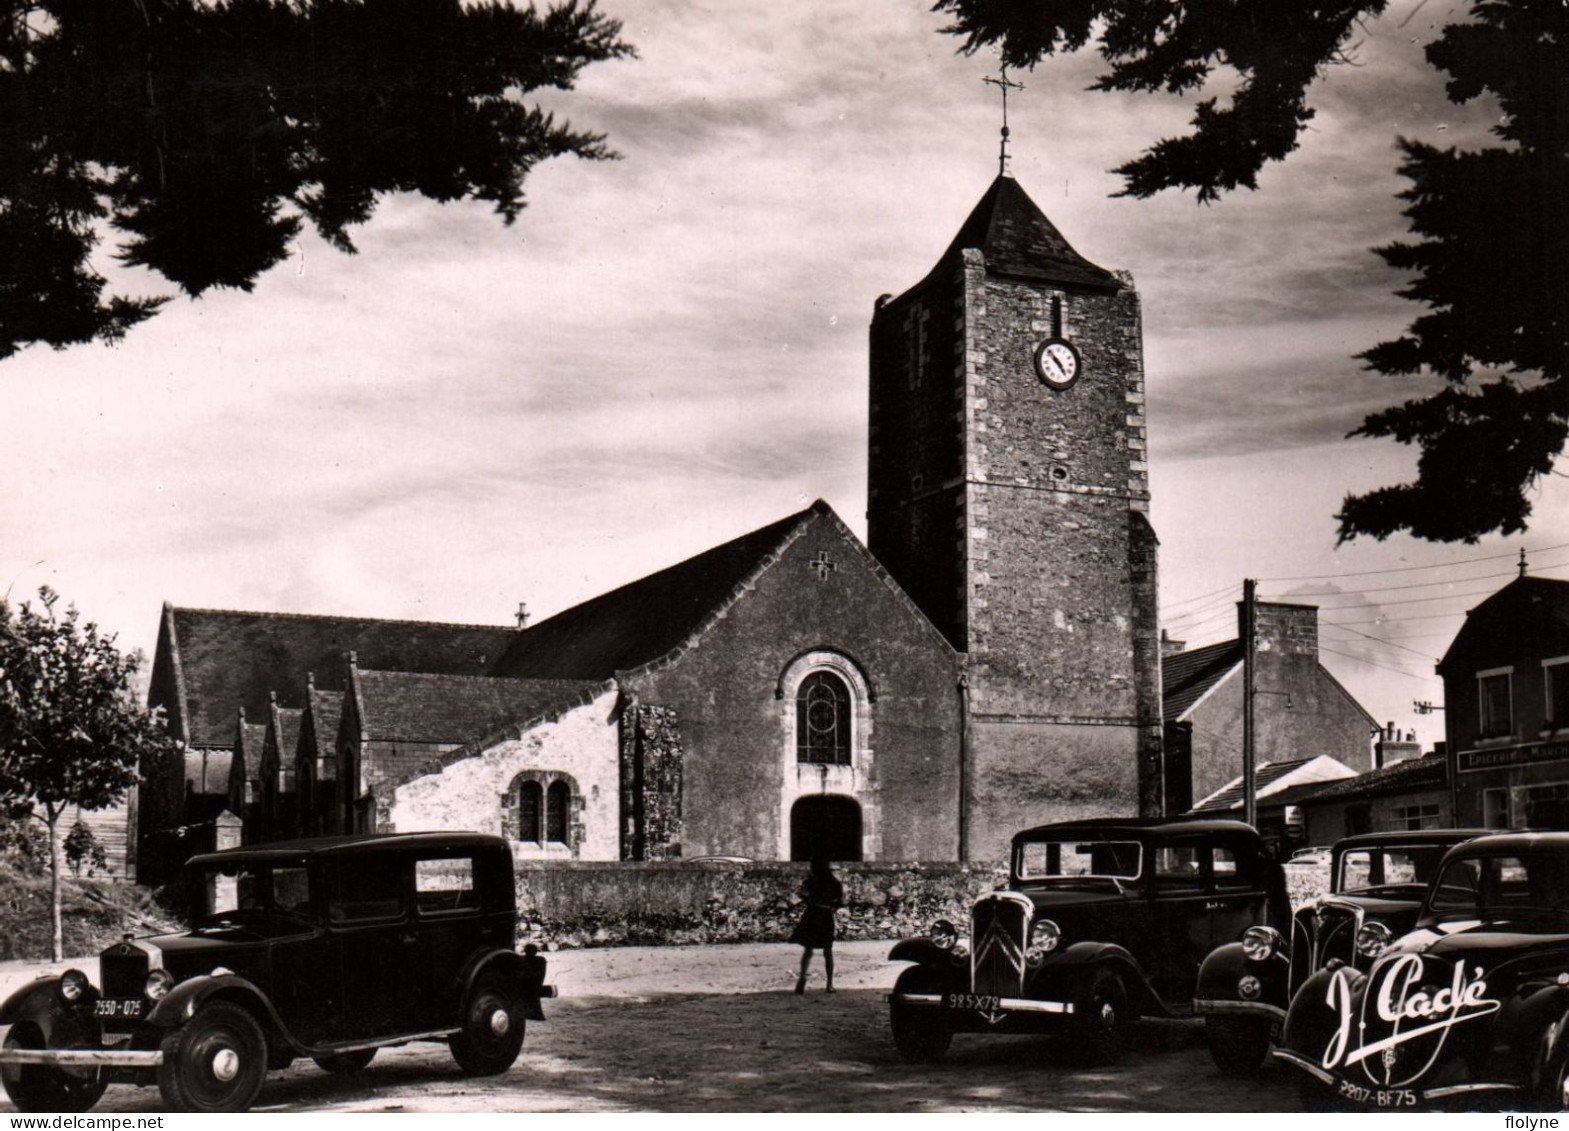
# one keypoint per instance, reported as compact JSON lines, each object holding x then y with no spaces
{"x":1101,"y":921}
{"x":328,"y":948}
{"x":1471,"y":1007}
{"x":1376,"y":884}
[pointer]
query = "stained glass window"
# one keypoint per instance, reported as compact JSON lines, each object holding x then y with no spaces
{"x":822,"y":720}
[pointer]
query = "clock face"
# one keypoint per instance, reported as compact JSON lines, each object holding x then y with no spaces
{"x":1057,"y":363}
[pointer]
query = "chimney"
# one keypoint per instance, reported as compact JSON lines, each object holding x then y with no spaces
{"x":1170,"y":647}
{"x":1392,"y":748}
{"x":1285,"y":630}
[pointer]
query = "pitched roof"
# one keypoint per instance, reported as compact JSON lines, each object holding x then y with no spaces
{"x":326,"y":710}
{"x":252,"y":741}
{"x":420,"y":707}
{"x":1273,"y":779}
{"x":1187,"y":676}
{"x":1411,"y":774}
{"x":285,"y":729}
{"x":1017,"y":239}
{"x":232,"y":659}
{"x":646,"y":619}
{"x":1525,"y":603}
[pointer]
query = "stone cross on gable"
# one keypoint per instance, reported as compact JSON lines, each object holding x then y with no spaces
{"x":822,"y":565}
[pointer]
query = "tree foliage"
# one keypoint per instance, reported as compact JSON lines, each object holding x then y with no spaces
{"x":206,"y":132}
{"x":1491,"y":257}
{"x":71,"y":733}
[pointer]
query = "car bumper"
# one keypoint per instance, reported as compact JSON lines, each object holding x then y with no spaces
{"x":1203,"y":1006}
{"x":78,"y":1058}
{"x":1004,"y":1004}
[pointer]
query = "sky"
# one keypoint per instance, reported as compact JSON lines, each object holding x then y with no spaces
{"x":669,"y":350}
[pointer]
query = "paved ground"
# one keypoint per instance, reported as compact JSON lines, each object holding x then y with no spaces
{"x":717,"y":1029}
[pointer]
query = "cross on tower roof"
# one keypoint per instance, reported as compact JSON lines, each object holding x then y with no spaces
{"x":1004,"y":84}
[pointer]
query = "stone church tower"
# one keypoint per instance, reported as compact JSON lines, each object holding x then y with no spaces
{"x":1008,"y":494}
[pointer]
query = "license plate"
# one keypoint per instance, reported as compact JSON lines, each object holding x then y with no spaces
{"x":1376,"y":1097}
{"x":985,"y":1003}
{"x":109,"y":1007}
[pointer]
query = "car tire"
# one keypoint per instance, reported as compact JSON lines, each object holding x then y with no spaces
{"x":492,"y":1032}
{"x":1237,"y":1045}
{"x":1102,"y":1017}
{"x":345,"y":1063}
{"x":215,"y":1062}
{"x":42,"y":1087}
{"x":920,"y":1033}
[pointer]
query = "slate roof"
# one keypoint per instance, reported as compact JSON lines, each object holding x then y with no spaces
{"x":253,"y":740}
{"x":1409,"y":775}
{"x":286,"y":737}
{"x":326,"y":708}
{"x":1263,"y":777}
{"x":1017,"y":239}
{"x":231,"y":659}
{"x":1525,"y":603}
{"x":421,"y":707}
{"x":1186,"y":676}
{"x":646,"y":619}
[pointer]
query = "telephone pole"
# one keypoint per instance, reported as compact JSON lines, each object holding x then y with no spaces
{"x":1249,"y":636}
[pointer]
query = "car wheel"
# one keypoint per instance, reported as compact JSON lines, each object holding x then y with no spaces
{"x":1238,"y":1045}
{"x":492,"y":1033}
{"x":215,"y":1062}
{"x":920,"y":1033}
{"x":1101,"y":1032}
{"x":43,"y":1087}
{"x":345,"y":1063}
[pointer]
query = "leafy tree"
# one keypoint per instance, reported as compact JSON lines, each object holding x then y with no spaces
{"x":83,"y":850}
{"x":207,"y":131}
{"x":1491,"y":263}
{"x":71,"y":733}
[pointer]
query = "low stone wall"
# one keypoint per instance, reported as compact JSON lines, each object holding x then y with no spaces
{"x":563,"y":904}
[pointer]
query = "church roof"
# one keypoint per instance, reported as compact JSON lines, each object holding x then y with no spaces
{"x":1186,"y":677}
{"x":646,"y":619}
{"x":253,"y":739}
{"x":1017,"y":239}
{"x":424,"y":707}
{"x":326,"y":709}
{"x":228,"y":659}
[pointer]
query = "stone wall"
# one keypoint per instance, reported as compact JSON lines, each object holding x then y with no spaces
{"x":571,"y":905}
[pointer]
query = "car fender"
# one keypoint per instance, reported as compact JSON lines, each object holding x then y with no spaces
{"x":920,"y":949}
{"x":1064,"y":974}
{"x":1538,"y":1025}
{"x":1226,"y":965}
{"x":39,"y":1002}
{"x":182,"y":1001}
{"x":526,"y":971}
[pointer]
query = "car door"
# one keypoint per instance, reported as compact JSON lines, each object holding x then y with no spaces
{"x":305,"y":982}
{"x":1239,"y":897}
{"x":1181,"y":893}
{"x":374,"y":940}
{"x":451,"y":925}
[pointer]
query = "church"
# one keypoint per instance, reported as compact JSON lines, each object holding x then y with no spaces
{"x":990,"y":659}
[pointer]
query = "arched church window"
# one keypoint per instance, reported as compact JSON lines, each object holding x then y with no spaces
{"x":531,"y":808}
{"x":558,"y":800}
{"x":822,"y":720}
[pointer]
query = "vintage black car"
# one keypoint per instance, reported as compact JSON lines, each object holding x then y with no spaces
{"x":328,"y":948}
{"x":1376,"y":884}
{"x":1101,"y":921}
{"x":1470,"y":1007}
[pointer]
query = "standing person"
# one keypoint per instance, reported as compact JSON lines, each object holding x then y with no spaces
{"x":822,"y":894}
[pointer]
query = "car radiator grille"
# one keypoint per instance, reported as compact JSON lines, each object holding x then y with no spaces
{"x":122,"y":972}
{"x":997,"y":938}
{"x":1334,"y":934}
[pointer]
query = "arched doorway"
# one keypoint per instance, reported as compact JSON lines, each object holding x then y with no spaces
{"x":828,"y":823}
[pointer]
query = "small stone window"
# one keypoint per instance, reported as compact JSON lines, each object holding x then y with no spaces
{"x":543,"y":807}
{"x":558,"y":800}
{"x":823,"y":720}
{"x":531,"y":809}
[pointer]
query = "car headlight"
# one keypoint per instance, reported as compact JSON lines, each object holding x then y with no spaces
{"x":1045,"y":935}
{"x":73,"y":985}
{"x":159,"y":983}
{"x":1259,"y":943}
{"x":1372,"y":939}
{"x":944,"y":934}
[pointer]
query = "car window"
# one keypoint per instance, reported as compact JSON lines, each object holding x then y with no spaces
{"x":367,"y":888}
{"x":1067,"y":859}
{"x":255,"y":887}
{"x":1503,"y":886}
{"x":445,"y":885}
{"x":1180,"y":865}
{"x":1230,"y":871}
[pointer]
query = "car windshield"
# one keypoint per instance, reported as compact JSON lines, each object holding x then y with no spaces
{"x":235,"y":890}
{"x":1503,"y":886}
{"x":1079,"y":860}
{"x":1369,"y":867}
